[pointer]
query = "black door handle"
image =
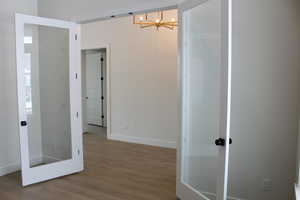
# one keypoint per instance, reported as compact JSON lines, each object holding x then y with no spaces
{"x":23,"y":123}
{"x":222,"y":142}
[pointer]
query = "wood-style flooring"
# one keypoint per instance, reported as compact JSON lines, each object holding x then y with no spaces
{"x":113,"y":171}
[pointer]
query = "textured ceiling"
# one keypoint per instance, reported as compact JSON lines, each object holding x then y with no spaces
{"x":85,"y":10}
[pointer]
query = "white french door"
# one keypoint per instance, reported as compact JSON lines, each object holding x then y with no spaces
{"x":94,"y":88}
{"x":205,"y":78}
{"x":49,"y":98}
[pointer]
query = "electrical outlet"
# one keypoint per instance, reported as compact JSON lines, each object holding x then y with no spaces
{"x":267,"y":185}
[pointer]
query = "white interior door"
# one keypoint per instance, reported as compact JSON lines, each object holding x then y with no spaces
{"x":205,"y":60}
{"x":49,"y":98}
{"x":94,"y":88}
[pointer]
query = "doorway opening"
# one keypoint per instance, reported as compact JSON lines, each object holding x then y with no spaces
{"x":143,"y":84}
{"x":95,"y":90}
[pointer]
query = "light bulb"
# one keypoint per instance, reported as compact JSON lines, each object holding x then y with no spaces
{"x":157,"y":21}
{"x":141,"y":18}
{"x":173,"y":19}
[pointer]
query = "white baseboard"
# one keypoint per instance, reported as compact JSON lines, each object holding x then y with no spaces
{"x":146,"y":141}
{"x":8,"y":169}
{"x":14,"y":167}
{"x":85,"y":129}
{"x":214,"y":196}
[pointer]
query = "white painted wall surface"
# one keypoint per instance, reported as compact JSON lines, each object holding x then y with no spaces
{"x":143,"y":63}
{"x":265,"y":98}
{"x":9,"y":135}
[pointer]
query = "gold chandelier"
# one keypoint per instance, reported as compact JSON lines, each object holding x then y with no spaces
{"x":159,"y":21}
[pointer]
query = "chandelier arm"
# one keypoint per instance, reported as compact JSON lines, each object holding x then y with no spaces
{"x":145,"y":23}
{"x":148,"y":25}
{"x":168,"y":27}
{"x":169,"y":23}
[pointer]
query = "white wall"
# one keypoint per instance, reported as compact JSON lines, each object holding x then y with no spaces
{"x":78,"y":10}
{"x":143,"y":79}
{"x":265,"y":98}
{"x":9,"y":136}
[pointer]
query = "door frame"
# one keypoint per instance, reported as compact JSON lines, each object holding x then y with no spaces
{"x":65,"y":167}
{"x":226,"y":57}
{"x":108,"y":83}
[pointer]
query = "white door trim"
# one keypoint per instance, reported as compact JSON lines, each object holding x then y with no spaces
{"x":108,"y":84}
{"x":50,"y":171}
{"x":227,"y":80}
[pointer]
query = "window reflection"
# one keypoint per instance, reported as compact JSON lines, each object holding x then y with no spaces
{"x":28,"y":88}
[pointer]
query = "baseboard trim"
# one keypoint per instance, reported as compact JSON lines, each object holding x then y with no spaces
{"x":8,"y":169}
{"x":145,"y":141}
{"x":213,"y":195}
{"x":14,"y":167}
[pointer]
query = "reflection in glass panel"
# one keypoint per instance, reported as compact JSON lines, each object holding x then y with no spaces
{"x":46,"y":76}
{"x":203,"y":65}
{"x":27,"y":74}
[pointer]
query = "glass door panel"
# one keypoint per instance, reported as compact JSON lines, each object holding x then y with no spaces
{"x":46,"y":75}
{"x":203,"y":64}
{"x":204,"y":74}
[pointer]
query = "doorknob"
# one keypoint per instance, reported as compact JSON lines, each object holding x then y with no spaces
{"x":222,"y":142}
{"x":23,"y":123}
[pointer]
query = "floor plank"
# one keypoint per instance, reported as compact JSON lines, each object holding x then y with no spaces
{"x":113,"y":171}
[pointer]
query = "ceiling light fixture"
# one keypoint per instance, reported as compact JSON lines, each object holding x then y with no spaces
{"x":144,"y":21}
